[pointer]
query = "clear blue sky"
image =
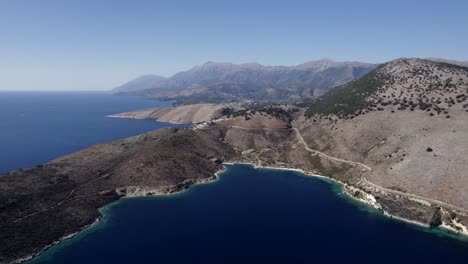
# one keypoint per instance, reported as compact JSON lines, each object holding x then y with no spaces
{"x":95,"y":45}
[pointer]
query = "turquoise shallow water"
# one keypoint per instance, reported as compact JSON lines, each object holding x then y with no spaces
{"x":254,"y":216}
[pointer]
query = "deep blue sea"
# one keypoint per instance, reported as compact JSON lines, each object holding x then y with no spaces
{"x":247,"y":216}
{"x":36,"y":127}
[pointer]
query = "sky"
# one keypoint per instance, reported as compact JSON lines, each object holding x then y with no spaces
{"x":97,"y":45}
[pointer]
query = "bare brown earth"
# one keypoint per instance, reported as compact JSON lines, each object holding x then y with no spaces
{"x":420,"y":149}
{"x":195,"y":113}
{"x":256,"y":120}
{"x":412,"y":131}
{"x":395,"y":146}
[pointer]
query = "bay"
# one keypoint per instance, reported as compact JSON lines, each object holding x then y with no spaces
{"x":254,"y":216}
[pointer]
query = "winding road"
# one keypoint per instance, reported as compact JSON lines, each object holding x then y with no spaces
{"x":301,"y":141}
{"x":353,"y":163}
{"x":366,"y":182}
{"x":410,"y":195}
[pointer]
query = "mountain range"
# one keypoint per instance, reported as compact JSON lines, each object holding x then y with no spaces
{"x":221,"y":82}
{"x":228,"y":82}
{"x":141,"y":83}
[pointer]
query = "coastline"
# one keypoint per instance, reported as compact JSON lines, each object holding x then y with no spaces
{"x":143,"y":118}
{"x":446,"y":229}
{"x":62,"y":239}
{"x":368,"y":200}
{"x":101,"y":210}
{"x":126,"y":117}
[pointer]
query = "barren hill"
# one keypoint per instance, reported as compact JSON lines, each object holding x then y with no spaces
{"x":408,"y":121}
{"x":408,"y":84}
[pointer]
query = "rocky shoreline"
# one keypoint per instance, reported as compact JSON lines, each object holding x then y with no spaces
{"x":143,"y":191}
{"x":365,"y":197}
{"x":127,"y":193}
{"x":62,"y":239}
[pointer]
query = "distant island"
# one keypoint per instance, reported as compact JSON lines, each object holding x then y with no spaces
{"x":392,"y":134}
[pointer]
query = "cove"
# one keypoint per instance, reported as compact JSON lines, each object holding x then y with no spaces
{"x":253,"y":216}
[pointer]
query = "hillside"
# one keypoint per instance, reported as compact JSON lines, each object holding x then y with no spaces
{"x":220,"y":82}
{"x":405,"y":84}
{"x":236,"y":114}
{"x":43,"y":204}
{"x":407,"y":120}
{"x":194,"y":113}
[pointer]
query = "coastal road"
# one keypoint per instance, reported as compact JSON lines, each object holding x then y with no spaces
{"x":365,"y":167}
{"x":307,"y":148}
{"x":365,"y":181}
{"x":353,"y":163}
{"x":414,"y":196}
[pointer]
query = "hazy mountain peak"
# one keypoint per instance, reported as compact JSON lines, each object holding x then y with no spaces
{"x":456,"y":62}
{"x":326,"y":63}
{"x":323,"y":60}
{"x":150,"y":76}
{"x":253,"y":64}
{"x":141,"y":83}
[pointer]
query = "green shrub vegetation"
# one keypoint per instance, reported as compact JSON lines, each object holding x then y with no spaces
{"x":349,"y":98}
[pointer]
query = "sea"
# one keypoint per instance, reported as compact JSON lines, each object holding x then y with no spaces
{"x":36,"y":127}
{"x":248,"y":215}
